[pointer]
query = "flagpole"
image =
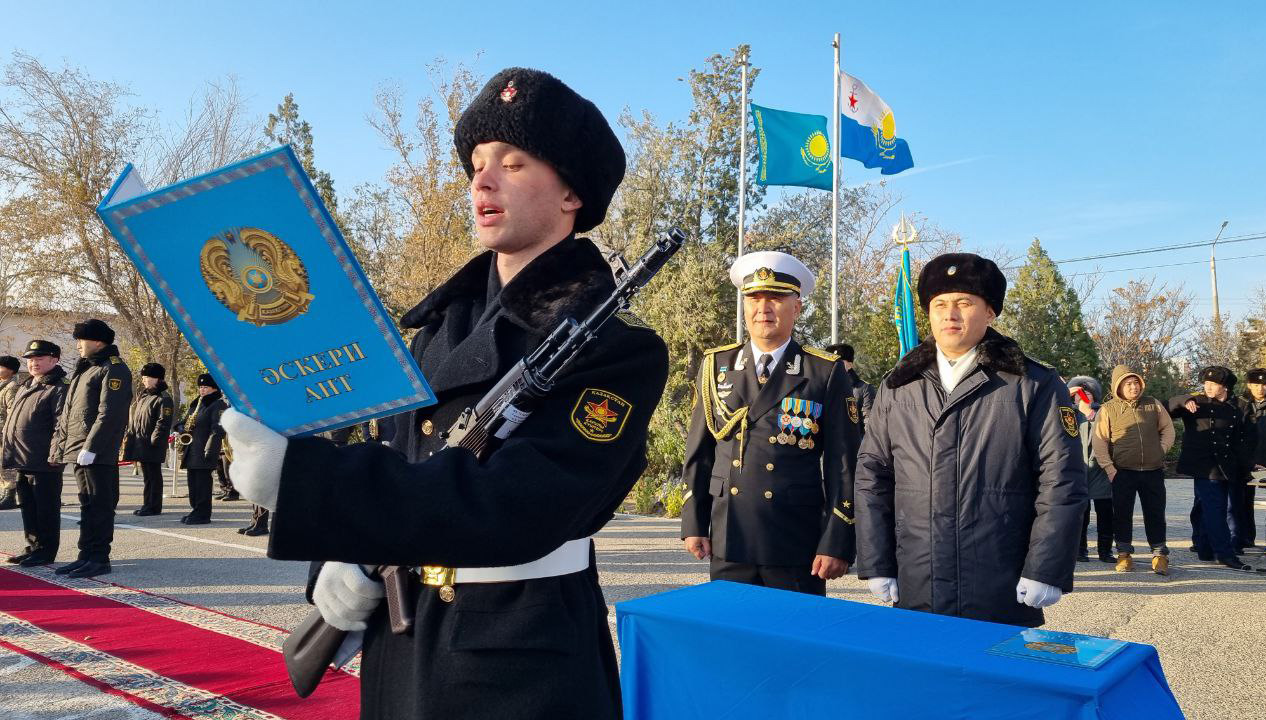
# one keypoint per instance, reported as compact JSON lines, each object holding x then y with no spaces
{"x":835,"y":196}
{"x":742,"y":199}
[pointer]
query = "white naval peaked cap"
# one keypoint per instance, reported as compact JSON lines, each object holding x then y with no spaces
{"x":770,"y":271}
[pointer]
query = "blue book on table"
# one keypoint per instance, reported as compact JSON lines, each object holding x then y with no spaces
{"x":1064,"y":648}
{"x":260,"y":281}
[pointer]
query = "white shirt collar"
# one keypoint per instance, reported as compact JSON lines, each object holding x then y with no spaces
{"x":953,"y":371}
{"x":776,"y":353}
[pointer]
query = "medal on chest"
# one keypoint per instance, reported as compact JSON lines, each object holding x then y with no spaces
{"x":798,"y":423}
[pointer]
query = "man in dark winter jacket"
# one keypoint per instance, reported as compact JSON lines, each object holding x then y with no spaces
{"x":89,"y":434}
{"x":863,"y":395}
{"x":9,"y":382}
{"x":1098,"y":486}
{"x":25,"y":442}
{"x":201,"y":454}
{"x":1217,"y":452}
{"x":149,"y":424}
{"x":1253,"y":405}
{"x":509,"y":617}
{"x":970,"y":484}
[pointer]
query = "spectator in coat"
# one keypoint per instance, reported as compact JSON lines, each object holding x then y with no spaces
{"x":1132,"y":434}
{"x":1097,"y":484}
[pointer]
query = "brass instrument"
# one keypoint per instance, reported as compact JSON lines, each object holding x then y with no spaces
{"x":183,"y":439}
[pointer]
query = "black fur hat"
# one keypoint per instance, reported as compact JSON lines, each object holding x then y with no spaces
{"x":1256,"y":375}
{"x":536,"y":112}
{"x":844,"y":350}
{"x":93,"y":329}
{"x":1218,"y":374}
{"x":10,"y":362}
{"x":964,"y":273}
{"x":154,"y":370}
{"x":205,"y":380}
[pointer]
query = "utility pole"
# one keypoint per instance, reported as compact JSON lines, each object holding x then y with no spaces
{"x":1213,"y":274}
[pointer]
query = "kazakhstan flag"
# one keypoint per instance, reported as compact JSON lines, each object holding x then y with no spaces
{"x":903,"y":306}
{"x":794,"y":149}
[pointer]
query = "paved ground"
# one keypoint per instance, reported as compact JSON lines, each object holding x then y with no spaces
{"x":1208,"y":624}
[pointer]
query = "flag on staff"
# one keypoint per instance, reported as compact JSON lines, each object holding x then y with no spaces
{"x":903,"y":306}
{"x":868,"y":131}
{"x":794,"y":149}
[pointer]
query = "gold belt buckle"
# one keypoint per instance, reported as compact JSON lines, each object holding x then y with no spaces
{"x":441,"y":577}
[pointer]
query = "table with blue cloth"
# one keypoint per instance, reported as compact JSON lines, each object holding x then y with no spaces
{"x":725,"y":650}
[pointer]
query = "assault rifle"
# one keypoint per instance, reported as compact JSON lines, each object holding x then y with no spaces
{"x":313,"y":645}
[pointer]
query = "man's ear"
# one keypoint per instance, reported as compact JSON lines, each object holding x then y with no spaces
{"x":571,"y":201}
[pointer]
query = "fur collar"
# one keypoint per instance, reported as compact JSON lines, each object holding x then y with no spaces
{"x":570,"y":278}
{"x":997,"y":352}
{"x":52,"y":377}
{"x":158,"y":389}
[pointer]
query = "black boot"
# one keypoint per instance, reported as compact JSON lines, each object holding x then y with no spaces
{"x":1083,"y":555}
{"x":8,"y":499}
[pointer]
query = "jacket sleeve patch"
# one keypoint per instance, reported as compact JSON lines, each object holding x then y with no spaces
{"x":600,"y":415}
{"x":1070,"y":420}
{"x":116,"y":384}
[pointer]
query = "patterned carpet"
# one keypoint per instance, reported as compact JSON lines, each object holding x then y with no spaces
{"x":176,"y":659}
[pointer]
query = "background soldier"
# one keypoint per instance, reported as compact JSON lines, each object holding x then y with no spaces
{"x":201,"y":454}
{"x":863,"y":392}
{"x":771,"y":449}
{"x":9,"y":382}
{"x":89,"y":434}
{"x":1217,"y":452}
{"x":529,"y":637}
{"x":25,"y":443}
{"x":970,"y":483}
{"x":149,"y":424}
{"x":1253,"y":404}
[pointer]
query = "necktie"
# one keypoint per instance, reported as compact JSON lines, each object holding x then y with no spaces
{"x":762,"y":368}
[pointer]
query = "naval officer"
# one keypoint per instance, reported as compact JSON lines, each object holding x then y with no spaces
{"x":770,"y":454}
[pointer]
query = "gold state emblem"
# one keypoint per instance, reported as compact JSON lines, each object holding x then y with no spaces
{"x":816,"y":152}
{"x":256,"y":276}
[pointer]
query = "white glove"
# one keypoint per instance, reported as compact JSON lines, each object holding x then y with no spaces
{"x":85,"y":457}
{"x":345,"y":595}
{"x":1036,"y":594}
{"x":884,"y":588}
{"x":257,"y":456}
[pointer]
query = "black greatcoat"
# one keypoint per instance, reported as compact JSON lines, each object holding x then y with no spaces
{"x":202,"y":421}
{"x":149,"y":423}
{"x":531,"y":649}
{"x":760,"y":501}
{"x":959,"y":497}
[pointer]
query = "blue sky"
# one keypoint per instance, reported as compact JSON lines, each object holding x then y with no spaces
{"x":1098,"y":127}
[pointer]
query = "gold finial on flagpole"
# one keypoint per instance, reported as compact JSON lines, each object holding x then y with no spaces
{"x":904,"y":233}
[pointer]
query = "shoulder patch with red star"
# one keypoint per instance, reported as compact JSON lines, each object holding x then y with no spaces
{"x":600,"y":415}
{"x":1069,"y":418}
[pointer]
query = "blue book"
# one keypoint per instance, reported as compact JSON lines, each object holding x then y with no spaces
{"x":259,"y":279}
{"x":1083,"y":651}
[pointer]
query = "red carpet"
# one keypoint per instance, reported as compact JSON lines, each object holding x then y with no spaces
{"x":177,"y":659}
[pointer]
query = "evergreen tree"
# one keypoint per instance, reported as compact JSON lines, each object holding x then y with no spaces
{"x":285,"y":126}
{"x":1043,"y":314}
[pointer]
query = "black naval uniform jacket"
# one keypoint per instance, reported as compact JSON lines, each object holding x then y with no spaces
{"x":149,"y":423}
{"x":1216,"y":436}
{"x":96,"y":411}
{"x":202,"y":422}
{"x":529,"y":649}
{"x":761,"y":501}
{"x":27,"y":434}
{"x":961,"y":495}
{"x":863,"y":400}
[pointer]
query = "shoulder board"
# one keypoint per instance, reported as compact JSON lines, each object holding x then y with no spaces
{"x":821,"y":353}
{"x":632,"y":320}
{"x":114,"y":360}
{"x":1039,"y":363}
{"x":722,"y":348}
{"x":65,"y":380}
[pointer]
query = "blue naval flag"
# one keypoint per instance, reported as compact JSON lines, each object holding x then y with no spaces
{"x":868,"y":130}
{"x":903,"y":307}
{"x":794,"y":149}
